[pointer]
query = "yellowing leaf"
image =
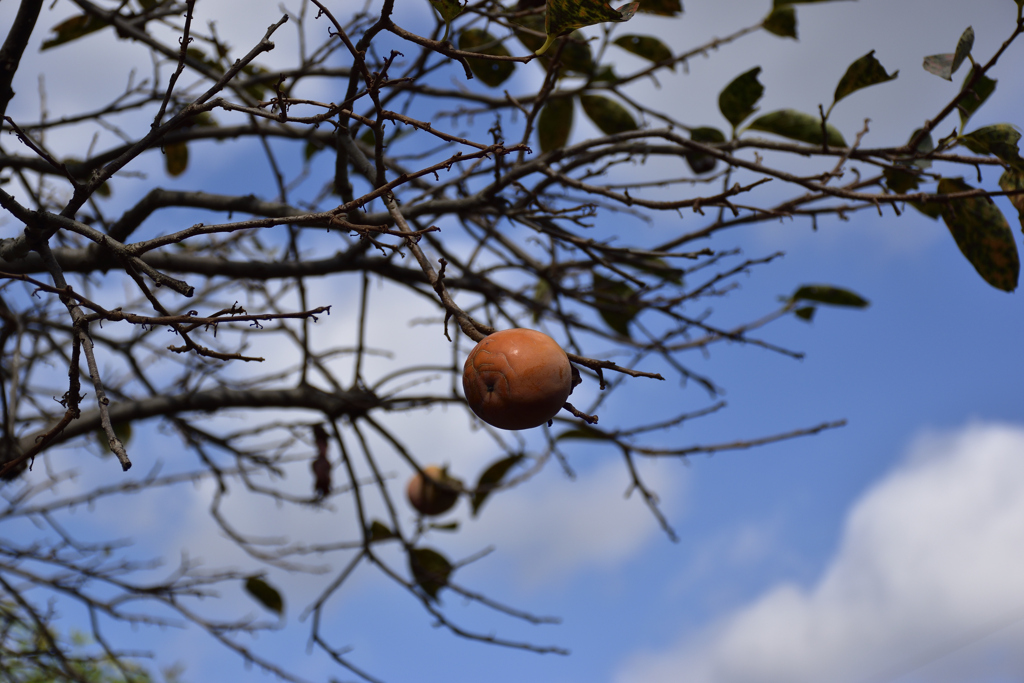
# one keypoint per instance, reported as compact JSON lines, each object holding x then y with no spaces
{"x":448,"y":9}
{"x":999,"y":140}
{"x":564,"y":16}
{"x":576,"y":56}
{"x":533,"y":24}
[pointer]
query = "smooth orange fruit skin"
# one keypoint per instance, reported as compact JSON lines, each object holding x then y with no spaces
{"x":434,"y":494}
{"x":517,"y":379}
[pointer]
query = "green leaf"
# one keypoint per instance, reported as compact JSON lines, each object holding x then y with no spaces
{"x":554,"y":124}
{"x":661,"y":269}
{"x":606,"y":74}
{"x":963,"y":48}
{"x":447,"y":526}
{"x":904,"y":176}
{"x":203,"y":119}
{"x":448,"y":9}
{"x":176,"y":158}
{"x":930,"y":209}
{"x":311,"y":148}
{"x":983,"y":235}
{"x":259,"y":89}
{"x":797,"y":125}
{"x":430,"y":569}
{"x":900,"y":180}
{"x":665,"y":8}
{"x":924,"y":147}
{"x":492,"y":73}
{"x":999,"y":140}
{"x":265,"y":594}
{"x":1013,"y":180}
{"x":490,"y":478}
{"x":864,"y":72}
{"x":782,"y":22}
{"x":73,"y":29}
{"x":615,"y":303}
{"x":805,"y":313}
{"x":827,"y":294}
{"x":543,"y":296}
{"x":380,"y":532}
{"x":576,"y":55}
{"x":946,"y":64}
{"x":122,"y":430}
{"x":564,"y":16}
{"x":529,"y":38}
{"x":583,"y":432}
{"x":648,"y":47}
{"x":940,"y":65}
{"x":973,"y":100}
{"x":704,"y":163}
{"x":200,"y":56}
{"x":608,"y":115}
{"x":737,"y":101}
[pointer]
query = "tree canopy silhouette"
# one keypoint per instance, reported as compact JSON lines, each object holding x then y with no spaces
{"x":496,"y":165}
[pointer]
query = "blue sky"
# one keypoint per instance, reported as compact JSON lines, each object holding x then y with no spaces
{"x":888,"y":550}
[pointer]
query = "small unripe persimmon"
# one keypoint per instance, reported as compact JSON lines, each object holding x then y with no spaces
{"x":517,"y":379}
{"x":433,"y":494}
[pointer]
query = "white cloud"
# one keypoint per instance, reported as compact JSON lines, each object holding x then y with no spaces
{"x":929,"y":564}
{"x":553,"y":528}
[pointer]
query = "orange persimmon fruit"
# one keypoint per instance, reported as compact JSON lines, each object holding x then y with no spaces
{"x":517,"y":379}
{"x":433,"y":494}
